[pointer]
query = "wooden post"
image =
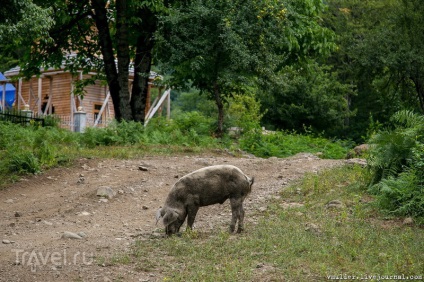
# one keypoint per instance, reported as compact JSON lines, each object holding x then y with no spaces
{"x":72,"y":103}
{"x":20,"y":94}
{"x":148,"y":100}
{"x":3,"y":97}
{"x":99,"y":116}
{"x":48,"y":109}
{"x":156,"y":108}
{"x":79,"y":97}
{"x":168,"y":106}
{"x":40,"y":88}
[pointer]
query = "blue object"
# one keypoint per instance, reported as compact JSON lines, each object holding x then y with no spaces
{"x":10,"y":92}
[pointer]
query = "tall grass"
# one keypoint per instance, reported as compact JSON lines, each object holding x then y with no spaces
{"x":31,"y":149}
{"x":283,"y":144}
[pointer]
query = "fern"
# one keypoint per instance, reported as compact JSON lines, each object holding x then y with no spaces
{"x":391,"y":149}
{"x":396,"y":162}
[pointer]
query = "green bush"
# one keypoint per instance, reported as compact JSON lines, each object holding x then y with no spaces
{"x":244,"y":112}
{"x":29,"y":149}
{"x":283,"y":144}
{"x":396,"y":161}
{"x":194,"y":121}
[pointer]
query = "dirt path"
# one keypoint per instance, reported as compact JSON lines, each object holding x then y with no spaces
{"x":38,"y":210}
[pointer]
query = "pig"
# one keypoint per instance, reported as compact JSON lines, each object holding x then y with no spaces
{"x":206,"y":186}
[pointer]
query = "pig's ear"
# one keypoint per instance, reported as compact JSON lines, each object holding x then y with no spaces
{"x":170,"y":216}
{"x":160,"y":213}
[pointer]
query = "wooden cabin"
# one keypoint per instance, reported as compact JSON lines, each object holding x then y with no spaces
{"x":52,"y":93}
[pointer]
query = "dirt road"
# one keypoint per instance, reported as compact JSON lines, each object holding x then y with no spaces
{"x":38,"y":211}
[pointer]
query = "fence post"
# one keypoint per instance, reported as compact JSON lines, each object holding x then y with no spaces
{"x":27,"y":113}
{"x":80,"y":120}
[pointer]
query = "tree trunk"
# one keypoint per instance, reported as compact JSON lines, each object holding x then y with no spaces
{"x":106,"y":47}
{"x":419,"y":87}
{"x":123,"y":56}
{"x":220,"y":105}
{"x":142,"y":65}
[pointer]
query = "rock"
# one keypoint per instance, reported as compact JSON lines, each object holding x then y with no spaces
{"x":18,"y":214}
{"x":361,"y":150}
{"x":202,"y":162}
{"x":106,"y":192}
{"x":103,"y":200}
{"x":86,"y":167}
{"x":81,"y":179}
{"x":70,"y":235}
{"x":156,"y":235}
{"x":262,"y":209}
{"x":336,"y":204}
{"x":312,"y":227}
{"x":319,"y":154}
{"x":408,"y":221}
{"x":5,"y":241}
{"x":84,"y":213}
{"x":356,"y":161}
{"x":145,"y":207}
{"x":82,"y":234}
{"x":291,"y":205}
{"x":9,"y":201}
{"x":47,"y":222}
{"x":143,"y":168}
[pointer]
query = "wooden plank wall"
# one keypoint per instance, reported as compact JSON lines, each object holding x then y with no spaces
{"x":61,"y":98}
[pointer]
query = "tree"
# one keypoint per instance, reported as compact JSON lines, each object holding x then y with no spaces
{"x":306,"y":95}
{"x":106,"y":36}
{"x":396,"y":49}
{"x":21,"y":22}
{"x":222,"y":47}
{"x":379,"y":55}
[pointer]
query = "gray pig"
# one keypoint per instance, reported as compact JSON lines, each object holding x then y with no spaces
{"x":204,"y":187}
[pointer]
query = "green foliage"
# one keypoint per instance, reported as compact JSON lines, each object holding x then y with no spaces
{"x":283,"y":144}
{"x":117,"y":133}
{"x":22,"y":20}
{"x":380,"y":56}
{"x":193,"y":101}
{"x":244,"y":112}
{"x":221,"y":47}
{"x":32,"y":148}
{"x":309,"y":95}
{"x":187,"y":129}
{"x":396,"y":160}
{"x":190,"y":129}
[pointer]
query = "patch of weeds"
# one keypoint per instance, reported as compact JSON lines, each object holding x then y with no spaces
{"x":120,"y":259}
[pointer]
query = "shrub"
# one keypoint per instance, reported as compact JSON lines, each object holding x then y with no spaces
{"x":244,"y":112}
{"x":283,"y":144}
{"x":396,"y":161}
{"x":31,"y":148}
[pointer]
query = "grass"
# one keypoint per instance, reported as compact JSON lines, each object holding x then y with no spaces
{"x":284,"y":144}
{"x":353,"y":239}
{"x":33,"y":149}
